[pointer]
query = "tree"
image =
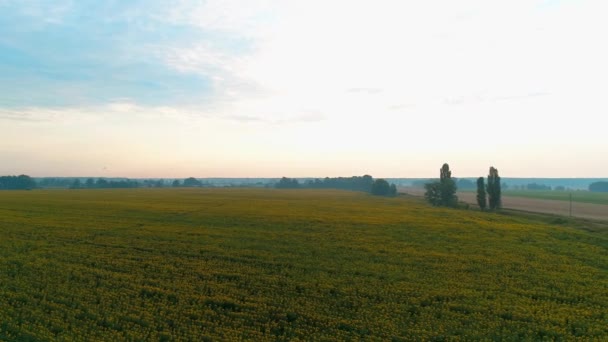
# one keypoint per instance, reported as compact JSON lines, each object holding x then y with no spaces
{"x":393,"y":191}
{"x":493,"y":188}
{"x":442,"y":192}
{"x":380,"y":187}
{"x":90,"y":183}
{"x":175,"y":183}
{"x":21,"y":182}
{"x":76,"y":184}
{"x":448,"y":187}
{"x":101,"y":183}
{"x":191,"y":181}
{"x":598,"y":187}
{"x":287,"y":183}
{"x":481,"y":194}
{"x":433,"y":193}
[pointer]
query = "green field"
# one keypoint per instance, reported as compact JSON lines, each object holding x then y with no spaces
{"x":581,"y":196}
{"x":577,"y":196}
{"x":265,"y":264}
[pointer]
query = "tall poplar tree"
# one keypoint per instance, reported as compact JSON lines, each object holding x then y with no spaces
{"x":494,"y":189}
{"x":482,"y":200}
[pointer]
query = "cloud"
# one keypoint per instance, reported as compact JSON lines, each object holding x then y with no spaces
{"x":321,"y":69}
{"x":370,"y":91}
{"x":35,"y":114}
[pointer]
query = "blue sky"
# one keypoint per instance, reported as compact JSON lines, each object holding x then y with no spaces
{"x":289,"y":88}
{"x":69,"y":53}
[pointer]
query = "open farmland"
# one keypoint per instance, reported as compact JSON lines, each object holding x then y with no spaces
{"x":555,"y":207}
{"x":265,"y":264}
{"x":584,"y":204}
{"x":577,"y":196}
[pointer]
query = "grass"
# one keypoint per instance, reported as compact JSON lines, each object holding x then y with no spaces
{"x":265,"y":264}
{"x":577,"y":196}
{"x":581,"y":196}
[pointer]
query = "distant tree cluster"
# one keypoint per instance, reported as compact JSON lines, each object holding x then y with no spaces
{"x":49,"y":182}
{"x":355,"y":183}
{"x":534,"y":186}
{"x":192,"y":182}
{"x":380,"y":187}
{"x":599,"y":187}
{"x":287,"y":183}
{"x":21,"y":182}
{"x":366,"y":183}
{"x":442,"y":192}
{"x":102,"y":183}
{"x":152,"y":183}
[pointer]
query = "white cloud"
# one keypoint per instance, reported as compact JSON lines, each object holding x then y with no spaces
{"x":420,"y":82}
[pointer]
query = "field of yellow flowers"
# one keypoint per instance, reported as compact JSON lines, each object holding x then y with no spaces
{"x":267,"y":264}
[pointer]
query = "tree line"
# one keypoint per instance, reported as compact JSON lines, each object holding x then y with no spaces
{"x":443,"y":191}
{"x":366,"y":183}
{"x":21,"y":182}
{"x":102,"y":183}
{"x":95,"y":183}
{"x":599,"y":187}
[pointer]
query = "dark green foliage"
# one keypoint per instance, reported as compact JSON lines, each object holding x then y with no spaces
{"x":443,"y":192}
{"x":599,"y":187}
{"x":175,"y":183}
{"x":364,"y":183}
{"x":153,"y":183}
{"x":50,"y":182}
{"x":356,"y":183}
{"x":433,"y":193}
{"x":393,"y":191}
{"x":481,"y":194}
{"x":101,"y":183}
{"x":287,"y":183}
{"x":535,"y":186}
{"x":76,"y":184}
{"x":21,"y":182}
{"x":116,"y":184}
{"x":380,"y":187}
{"x":192,"y":182}
{"x":493,"y":187}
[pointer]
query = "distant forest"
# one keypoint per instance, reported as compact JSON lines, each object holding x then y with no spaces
{"x":21,"y":182}
{"x":357,"y":183}
{"x":364,"y":183}
{"x":599,"y":187}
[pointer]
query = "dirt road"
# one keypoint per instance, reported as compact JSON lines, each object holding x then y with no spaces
{"x":583,"y":210}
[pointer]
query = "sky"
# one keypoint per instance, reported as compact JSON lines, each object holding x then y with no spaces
{"x":271,"y":88}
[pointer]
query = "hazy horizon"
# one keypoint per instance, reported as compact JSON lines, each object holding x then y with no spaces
{"x":269,"y":88}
